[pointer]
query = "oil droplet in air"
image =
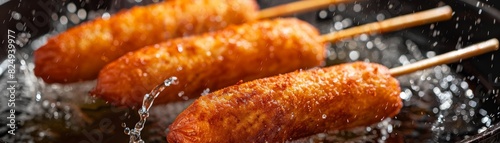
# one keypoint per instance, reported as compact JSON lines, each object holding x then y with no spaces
{"x":147,"y":102}
{"x":205,"y":92}
{"x":180,"y":94}
{"x":126,"y":131}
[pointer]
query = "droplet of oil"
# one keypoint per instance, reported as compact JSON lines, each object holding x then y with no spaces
{"x":126,"y":131}
{"x":135,"y":133}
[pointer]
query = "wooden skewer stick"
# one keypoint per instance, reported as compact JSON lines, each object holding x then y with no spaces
{"x":296,"y":7}
{"x":470,"y":51}
{"x":393,"y":24}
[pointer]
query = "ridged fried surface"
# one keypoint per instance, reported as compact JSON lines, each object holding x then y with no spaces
{"x":213,"y":60}
{"x":291,"y":106}
{"x":80,"y":52}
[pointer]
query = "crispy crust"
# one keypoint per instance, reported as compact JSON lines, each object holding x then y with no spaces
{"x":213,"y":61}
{"x":291,"y":106}
{"x":80,"y":52}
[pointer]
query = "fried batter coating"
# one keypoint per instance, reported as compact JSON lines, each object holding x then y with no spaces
{"x":212,"y":60}
{"x":79,"y":53}
{"x":291,"y":106}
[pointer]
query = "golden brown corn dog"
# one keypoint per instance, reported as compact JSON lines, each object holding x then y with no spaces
{"x":291,"y":106}
{"x":79,"y":53}
{"x":245,"y":52}
{"x":287,"y":107}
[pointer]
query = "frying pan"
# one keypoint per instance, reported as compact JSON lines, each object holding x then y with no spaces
{"x":450,"y":103}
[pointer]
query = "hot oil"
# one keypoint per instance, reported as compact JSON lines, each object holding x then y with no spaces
{"x":135,"y":133}
{"x":439,"y":104}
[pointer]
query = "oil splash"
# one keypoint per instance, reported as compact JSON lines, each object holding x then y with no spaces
{"x":135,"y":133}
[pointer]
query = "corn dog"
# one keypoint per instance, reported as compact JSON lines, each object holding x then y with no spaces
{"x":245,"y":52}
{"x":291,"y":106}
{"x":79,"y":53}
{"x":287,"y":107}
